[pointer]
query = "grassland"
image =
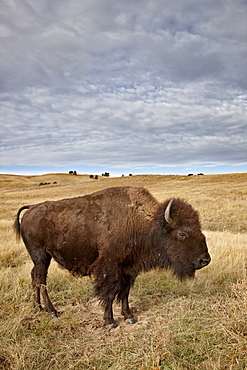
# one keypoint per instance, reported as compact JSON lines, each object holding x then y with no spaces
{"x":199,"y":324}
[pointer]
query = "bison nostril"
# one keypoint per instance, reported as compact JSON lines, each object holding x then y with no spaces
{"x":204,"y":261}
{"x":201,"y":262}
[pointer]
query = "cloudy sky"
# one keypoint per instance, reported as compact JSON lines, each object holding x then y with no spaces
{"x":133,"y":86}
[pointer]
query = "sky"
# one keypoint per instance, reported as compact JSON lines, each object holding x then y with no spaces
{"x":133,"y":86}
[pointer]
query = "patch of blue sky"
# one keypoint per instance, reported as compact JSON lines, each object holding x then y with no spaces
{"x":205,"y":168}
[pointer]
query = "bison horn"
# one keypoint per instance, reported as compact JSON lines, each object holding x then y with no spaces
{"x":168,"y":218}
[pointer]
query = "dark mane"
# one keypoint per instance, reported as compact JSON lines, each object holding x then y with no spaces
{"x":182,"y":213}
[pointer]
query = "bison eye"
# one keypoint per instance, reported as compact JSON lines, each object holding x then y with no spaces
{"x":182,"y":235}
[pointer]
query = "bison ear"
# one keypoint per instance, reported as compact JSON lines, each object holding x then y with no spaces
{"x":167,"y":215}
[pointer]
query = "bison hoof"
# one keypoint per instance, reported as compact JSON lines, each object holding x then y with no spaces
{"x":131,"y":321}
{"x":55,"y":314}
{"x":111,"y":326}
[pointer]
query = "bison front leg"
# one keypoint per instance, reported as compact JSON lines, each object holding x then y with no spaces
{"x":108,"y":314}
{"x":126,"y":312}
{"x":106,"y":288}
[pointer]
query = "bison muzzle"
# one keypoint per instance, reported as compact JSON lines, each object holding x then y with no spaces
{"x":113,"y":234}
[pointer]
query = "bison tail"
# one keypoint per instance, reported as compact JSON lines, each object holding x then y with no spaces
{"x":17,"y":225}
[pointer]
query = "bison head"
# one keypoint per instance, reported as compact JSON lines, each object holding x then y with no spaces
{"x":185,"y":245}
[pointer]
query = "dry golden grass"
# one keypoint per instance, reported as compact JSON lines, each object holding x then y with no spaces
{"x":220,"y":199}
{"x":199,"y":324}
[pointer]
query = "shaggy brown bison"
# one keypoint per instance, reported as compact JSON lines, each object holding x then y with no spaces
{"x":113,"y":234}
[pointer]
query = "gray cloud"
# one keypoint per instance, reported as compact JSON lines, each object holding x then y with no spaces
{"x":123,"y":83}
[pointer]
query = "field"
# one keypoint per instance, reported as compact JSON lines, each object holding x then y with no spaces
{"x":199,"y":324}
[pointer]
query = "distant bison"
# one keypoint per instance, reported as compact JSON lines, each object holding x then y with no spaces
{"x":113,"y":234}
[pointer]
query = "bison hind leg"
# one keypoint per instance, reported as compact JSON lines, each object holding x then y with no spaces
{"x":39,"y":275}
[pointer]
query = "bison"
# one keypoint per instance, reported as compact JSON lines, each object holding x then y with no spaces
{"x":112,"y":234}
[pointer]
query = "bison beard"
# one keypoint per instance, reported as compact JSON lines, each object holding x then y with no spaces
{"x":113,"y":234}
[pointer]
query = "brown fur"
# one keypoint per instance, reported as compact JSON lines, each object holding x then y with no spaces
{"x":113,"y":234}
